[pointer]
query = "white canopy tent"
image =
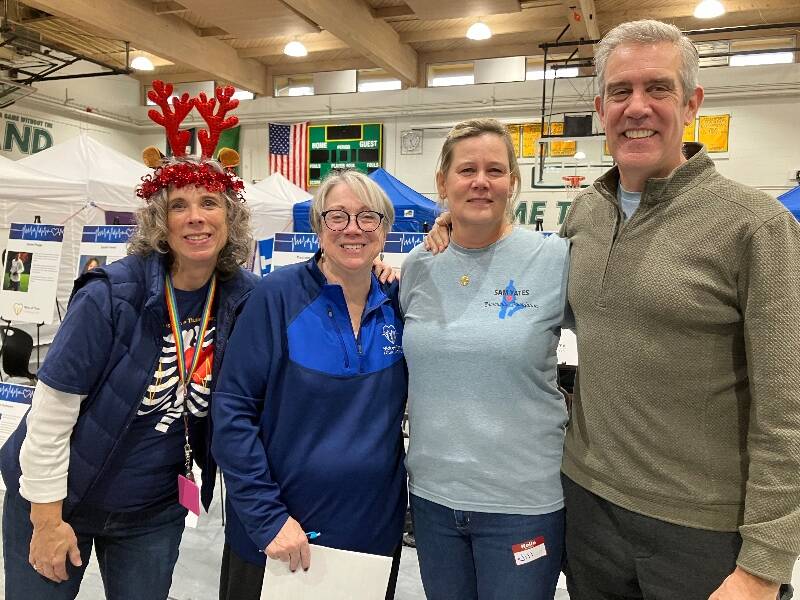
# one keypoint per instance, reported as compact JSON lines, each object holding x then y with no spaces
{"x":27,"y":193}
{"x":109,"y":177}
{"x":75,"y":182}
{"x":271,"y":201}
{"x":280,"y":195}
{"x":282,"y":190}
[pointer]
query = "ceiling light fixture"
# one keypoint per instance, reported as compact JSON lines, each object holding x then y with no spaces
{"x":708,"y":9}
{"x":295,"y":48}
{"x":479,"y":31}
{"x":142,"y":63}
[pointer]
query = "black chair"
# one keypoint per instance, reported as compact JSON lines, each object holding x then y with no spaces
{"x":17,"y":347}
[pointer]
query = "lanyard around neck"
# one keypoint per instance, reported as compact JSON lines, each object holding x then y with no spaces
{"x":184,"y":372}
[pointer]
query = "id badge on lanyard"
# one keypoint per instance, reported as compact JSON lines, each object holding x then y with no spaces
{"x":188,"y":490}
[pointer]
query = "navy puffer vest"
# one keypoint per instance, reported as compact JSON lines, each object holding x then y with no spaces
{"x":138,"y":312}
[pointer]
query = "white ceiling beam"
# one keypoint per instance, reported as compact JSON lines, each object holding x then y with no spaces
{"x":212,"y":32}
{"x":466,"y":54}
{"x":187,"y":77}
{"x":321,"y":66}
{"x":664,"y":11}
{"x":169,"y":8}
{"x":167,"y":36}
{"x":392,"y":12}
{"x":455,"y":9}
{"x":581,"y":16}
{"x":320,"y":42}
{"x":529,"y":21}
{"x":352,"y":22}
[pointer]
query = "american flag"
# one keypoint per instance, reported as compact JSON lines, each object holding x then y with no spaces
{"x":287,"y":152}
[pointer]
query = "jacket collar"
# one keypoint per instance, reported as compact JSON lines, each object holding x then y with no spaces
{"x":377,"y":295}
{"x":658,"y":189}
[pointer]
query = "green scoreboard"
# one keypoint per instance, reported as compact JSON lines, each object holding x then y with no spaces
{"x":358,"y":146}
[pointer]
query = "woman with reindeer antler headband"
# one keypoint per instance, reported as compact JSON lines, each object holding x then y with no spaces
{"x":121,"y":404}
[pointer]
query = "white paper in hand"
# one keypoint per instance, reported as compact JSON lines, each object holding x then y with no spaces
{"x":334,"y":575}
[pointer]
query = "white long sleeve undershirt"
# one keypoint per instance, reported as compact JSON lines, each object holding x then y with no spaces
{"x":44,"y":457}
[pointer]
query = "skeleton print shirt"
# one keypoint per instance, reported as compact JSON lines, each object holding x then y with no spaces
{"x":151,"y":457}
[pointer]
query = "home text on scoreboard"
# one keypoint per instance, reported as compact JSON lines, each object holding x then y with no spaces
{"x":356,"y":146}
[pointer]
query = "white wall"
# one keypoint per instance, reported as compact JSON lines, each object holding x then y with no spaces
{"x":99,"y":105}
{"x":764,"y":104}
{"x":108,"y":91}
{"x":66,"y":126}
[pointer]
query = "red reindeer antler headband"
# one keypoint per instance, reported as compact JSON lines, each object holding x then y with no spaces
{"x":217,"y":123}
{"x":181,"y":174}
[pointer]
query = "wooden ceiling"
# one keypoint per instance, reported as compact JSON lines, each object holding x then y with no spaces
{"x":241,"y":41}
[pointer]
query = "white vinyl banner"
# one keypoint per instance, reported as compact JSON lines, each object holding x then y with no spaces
{"x":30,"y":272}
{"x":398,"y":245}
{"x":102,"y":245}
{"x":287,"y":248}
{"x":15,"y":400}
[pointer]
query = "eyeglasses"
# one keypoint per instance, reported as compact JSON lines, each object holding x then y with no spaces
{"x":338,"y":220}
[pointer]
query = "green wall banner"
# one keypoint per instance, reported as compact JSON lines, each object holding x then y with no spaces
{"x":24,"y":134}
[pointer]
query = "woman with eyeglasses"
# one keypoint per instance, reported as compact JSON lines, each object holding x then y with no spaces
{"x":308,"y":408}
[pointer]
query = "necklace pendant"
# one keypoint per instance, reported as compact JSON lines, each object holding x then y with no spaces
{"x":464,"y":281}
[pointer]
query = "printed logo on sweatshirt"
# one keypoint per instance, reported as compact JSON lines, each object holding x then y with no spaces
{"x":509,"y":302}
{"x":390,"y":333}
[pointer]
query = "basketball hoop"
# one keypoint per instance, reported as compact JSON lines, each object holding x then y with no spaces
{"x":572,"y":185}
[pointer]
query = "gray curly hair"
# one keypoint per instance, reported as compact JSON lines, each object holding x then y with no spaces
{"x":648,"y":31}
{"x":152,"y":228}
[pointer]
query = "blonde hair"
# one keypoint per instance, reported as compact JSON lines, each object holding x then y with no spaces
{"x":473,"y":128}
{"x":369,"y":192}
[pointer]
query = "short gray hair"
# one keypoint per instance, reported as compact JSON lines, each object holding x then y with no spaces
{"x":649,"y":32}
{"x":473,"y":128}
{"x":369,"y":192}
{"x":152,"y":227}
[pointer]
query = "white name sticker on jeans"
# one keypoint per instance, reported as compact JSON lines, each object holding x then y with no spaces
{"x":529,"y":551}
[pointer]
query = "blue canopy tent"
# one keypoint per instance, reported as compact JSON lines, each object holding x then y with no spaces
{"x":791,"y":200}
{"x":413,"y":211}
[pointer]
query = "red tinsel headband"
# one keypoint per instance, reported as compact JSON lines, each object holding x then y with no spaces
{"x":185,"y":173}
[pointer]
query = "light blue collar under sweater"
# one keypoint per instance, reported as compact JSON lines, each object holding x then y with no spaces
{"x":629,"y":201}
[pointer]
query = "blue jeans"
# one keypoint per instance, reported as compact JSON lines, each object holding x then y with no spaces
{"x":469,"y":556}
{"x":136,"y":552}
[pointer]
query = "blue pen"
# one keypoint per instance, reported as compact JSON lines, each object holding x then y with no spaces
{"x":312,"y":535}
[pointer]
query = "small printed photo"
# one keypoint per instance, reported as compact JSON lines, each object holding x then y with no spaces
{"x":17,"y":271}
{"x":88,"y":262}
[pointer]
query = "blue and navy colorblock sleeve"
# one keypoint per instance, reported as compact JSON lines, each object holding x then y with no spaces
{"x":252,"y":358}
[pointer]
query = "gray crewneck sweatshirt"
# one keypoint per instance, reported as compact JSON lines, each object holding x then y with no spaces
{"x":486,"y":418}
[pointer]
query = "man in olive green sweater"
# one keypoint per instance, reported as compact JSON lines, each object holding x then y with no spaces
{"x":682,"y":460}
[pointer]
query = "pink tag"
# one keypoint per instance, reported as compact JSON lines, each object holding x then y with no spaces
{"x":189,"y":494}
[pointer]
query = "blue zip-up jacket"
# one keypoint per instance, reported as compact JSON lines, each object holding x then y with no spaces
{"x":134,"y":304}
{"x":307,"y":417}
